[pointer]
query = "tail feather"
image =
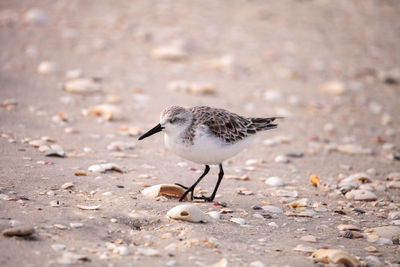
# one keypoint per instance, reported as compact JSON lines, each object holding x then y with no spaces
{"x":263,"y":124}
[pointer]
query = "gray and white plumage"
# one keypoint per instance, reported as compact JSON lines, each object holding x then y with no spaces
{"x":208,"y":135}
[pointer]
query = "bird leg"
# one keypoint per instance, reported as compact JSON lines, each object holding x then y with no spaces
{"x":220,"y":176}
{"x":191,"y":189}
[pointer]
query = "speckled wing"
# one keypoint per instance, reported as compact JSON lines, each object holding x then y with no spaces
{"x":228,"y":126}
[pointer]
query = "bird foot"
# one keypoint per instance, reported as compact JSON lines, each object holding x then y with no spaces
{"x":206,"y":199}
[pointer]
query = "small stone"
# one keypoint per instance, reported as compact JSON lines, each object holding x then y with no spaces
{"x":19,"y":231}
{"x":309,"y":238}
{"x":174,"y":51}
{"x":281,"y":159}
{"x":275,"y":181}
{"x":239,"y":221}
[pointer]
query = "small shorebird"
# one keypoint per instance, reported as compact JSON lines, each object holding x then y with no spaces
{"x":207,"y":136}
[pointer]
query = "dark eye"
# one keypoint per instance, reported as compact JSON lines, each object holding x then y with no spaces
{"x":173,"y":120}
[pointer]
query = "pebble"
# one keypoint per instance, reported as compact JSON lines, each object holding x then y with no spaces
{"x":272,"y":209}
{"x":46,"y":67}
{"x":361,"y":195}
{"x":19,"y":231}
{"x":281,"y":159}
{"x":275,"y":181}
{"x":82,"y":86}
{"x":187,"y":212}
{"x":239,"y":221}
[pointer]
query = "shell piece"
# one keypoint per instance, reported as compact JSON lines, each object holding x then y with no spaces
{"x":187,"y":212}
{"x":335,"y":256}
{"x":106,"y":167}
{"x":167,"y":190}
{"x":362,"y":195}
{"x":275,"y":181}
{"x":19,"y":231}
{"x":82,"y":86}
{"x":106,"y":111}
{"x":314,"y":179}
{"x":83,"y":207}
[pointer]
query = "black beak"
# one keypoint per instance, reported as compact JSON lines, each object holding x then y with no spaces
{"x":156,"y":129}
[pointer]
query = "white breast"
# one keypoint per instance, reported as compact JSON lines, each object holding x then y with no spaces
{"x":205,"y":149}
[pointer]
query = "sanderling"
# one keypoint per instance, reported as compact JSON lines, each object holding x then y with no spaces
{"x":207,"y":136}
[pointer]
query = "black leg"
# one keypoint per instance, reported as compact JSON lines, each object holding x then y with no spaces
{"x":220,"y":176}
{"x":191,"y":189}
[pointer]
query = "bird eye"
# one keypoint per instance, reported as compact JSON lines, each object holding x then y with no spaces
{"x":173,"y":120}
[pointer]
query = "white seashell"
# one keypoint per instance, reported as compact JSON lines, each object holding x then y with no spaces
{"x":67,"y":186}
{"x":148,"y":251}
{"x":76,"y":225}
{"x":214,"y":214}
{"x":46,"y":67}
{"x":187,"y":212}
{"x":105,"y":167}
{"x":37,"y":143}
{"x":239,"y":221}
{"x":83,"y":207}
{"x":58,"y":247}
{"x":173,"y":51}
{"x":82,"y":86}
{"x":334,"y":256}
{"x":353,"y":149}
{"x":275,"y":181}
{"x":281,"y":159}
{"x":167,"y":190}
{"x":272,"y":209}
{"x":335,"y":88}
{"x":106,"y":111}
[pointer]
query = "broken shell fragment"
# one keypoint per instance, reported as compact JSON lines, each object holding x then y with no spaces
{"x":187,"y":212}
{"x":167,"y":190}
{"x":362,"y":195}
{"x":106,"y":111}
{"x":83,"y":207}
{"x":82,"y":86}
{"x":174,"y":51}
{"x":334,"y":256}
{"x":106,"y":167}
{"x":314,"y":179}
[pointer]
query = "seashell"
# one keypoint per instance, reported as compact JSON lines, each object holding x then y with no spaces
{"x":353,"y":149}
{"x":306,"y":213}
{"x":281,"y":159}
{"x":106,"y":167}
{"x":58,"y":247}
{"x":361,"y":195}
{"x":187,"y":212}
{"x":167,"y":190}
{"x":214,"y":214}
{"x":335,"y":88}
{"x":275,"y":181}
{"x":46,"y":67}
{"x":106,"y":111}
{"x":334,"y":256}
{"x":314,"y":179}
{"x":239,"y":221}
{"x":303,"y":248}
{"x":19,"y":231}
{"x":67,"y":186}
{"x":37,"y":143}
{"x":202,"y":88}
{"x":55,"y":151}
{"x":299,"y":203}
{"x":345,"y":227}
{"x":272,"y":209}
{"x":393,"y":185}
{"x":82,"y":86}
{"x":83,"y":207}
{"x":285,"y":193}
{"x":309,"y":238}
{"x":148,"y":251}
{"x":174,"y":51}
{"x":44,"y":148}
{"x":357,"y":177}
{"x":237,"y":178}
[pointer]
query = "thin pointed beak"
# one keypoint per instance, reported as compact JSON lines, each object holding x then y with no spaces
{"x":156,"y":129}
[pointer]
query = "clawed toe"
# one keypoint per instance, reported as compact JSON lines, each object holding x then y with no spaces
{"x":206,"y":199}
